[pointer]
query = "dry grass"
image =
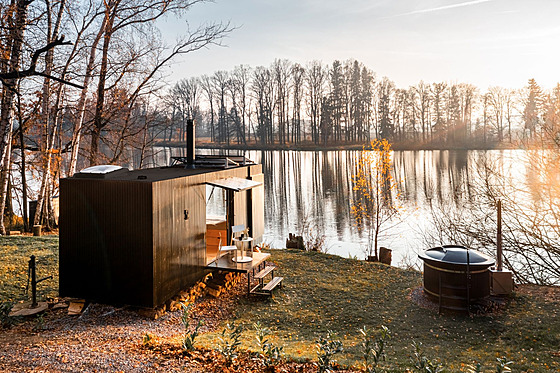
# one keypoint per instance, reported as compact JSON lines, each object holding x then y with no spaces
{"x":327,"y":292}
{"x":15,"y":252}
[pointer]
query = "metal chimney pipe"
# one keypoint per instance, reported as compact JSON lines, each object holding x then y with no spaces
{"x":190,"y":142}
{"x":499,"y":238}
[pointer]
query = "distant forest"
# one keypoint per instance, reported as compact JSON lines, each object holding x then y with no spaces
{"x":347,"y":103}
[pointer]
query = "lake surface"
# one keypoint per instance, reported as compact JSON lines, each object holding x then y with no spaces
{"x":315,"y":189}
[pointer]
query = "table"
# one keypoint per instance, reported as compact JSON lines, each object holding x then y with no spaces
{"x":240,"y":243}
{"x":226,"y":264}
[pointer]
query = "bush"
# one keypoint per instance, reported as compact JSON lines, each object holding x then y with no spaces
{"x":373,"y":351}
{"x":5,"y":320}
{"x":190,"y":336}
{"x":326,"y":349}
{"x":230,"y":340}
{"x":269,"y":354}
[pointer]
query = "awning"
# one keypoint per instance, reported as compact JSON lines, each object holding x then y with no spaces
{"x":236,"y":184}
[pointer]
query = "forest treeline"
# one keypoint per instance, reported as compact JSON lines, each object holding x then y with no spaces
{"x":347,"y":103}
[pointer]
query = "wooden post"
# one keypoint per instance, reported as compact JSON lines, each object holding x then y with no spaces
{"x":499,"y":238}
{"x":385,"y":255}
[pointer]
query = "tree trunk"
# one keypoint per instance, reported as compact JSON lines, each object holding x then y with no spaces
{"x":81,"y":108}
{"x":6,"y":108}
{"x":98,"y":117}
{"x":49,"y":135}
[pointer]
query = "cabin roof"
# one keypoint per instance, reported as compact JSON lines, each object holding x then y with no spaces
{"x":150,"y":174}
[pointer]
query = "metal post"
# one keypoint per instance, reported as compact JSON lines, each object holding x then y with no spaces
{"x":499,"y":238}
{"x":33,"y":282}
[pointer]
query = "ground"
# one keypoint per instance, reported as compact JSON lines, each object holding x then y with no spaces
{"x":321,"y":292}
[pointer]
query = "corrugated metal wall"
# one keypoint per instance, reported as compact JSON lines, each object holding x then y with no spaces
{"x":106,"y":241}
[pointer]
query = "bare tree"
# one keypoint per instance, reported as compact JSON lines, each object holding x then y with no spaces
{"x":315,"y":79}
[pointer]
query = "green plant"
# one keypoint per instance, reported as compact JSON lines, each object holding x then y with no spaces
{"x":230,"y":340}
{"x":190,"y":336}
{"x":39,"y":323}
{"x":269,"y":354}
{"x":147,"y":340}
{"x":373,"y":350}
{"x":422,"y":363}
{"x":5,"y":320}
{"x":326,"y":349}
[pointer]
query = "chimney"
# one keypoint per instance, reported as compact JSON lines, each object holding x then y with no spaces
{"x":190,"y":143}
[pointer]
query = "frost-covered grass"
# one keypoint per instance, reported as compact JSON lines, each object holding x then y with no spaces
{"x":326,"y":292}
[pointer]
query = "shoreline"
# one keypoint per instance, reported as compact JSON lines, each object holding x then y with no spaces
{"x":333,"y":147}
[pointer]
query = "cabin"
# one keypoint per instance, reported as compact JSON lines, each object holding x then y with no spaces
{"x":139,"y":237}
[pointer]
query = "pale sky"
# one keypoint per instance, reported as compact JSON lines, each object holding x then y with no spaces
{"x":483,"y":42}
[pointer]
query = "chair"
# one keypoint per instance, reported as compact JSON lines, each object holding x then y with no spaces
{"x":237,"y":229}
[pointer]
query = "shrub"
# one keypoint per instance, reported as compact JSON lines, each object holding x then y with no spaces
{"x":190,"y":336}
{"x":326,"y":349}
{"x":422,"y":363}
{"x":373,"y":351}
{"x":230,"y":340}
{"x":269,"y":354}
{"x":5,"y":320}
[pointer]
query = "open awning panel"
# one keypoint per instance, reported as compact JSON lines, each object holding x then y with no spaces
{"x":236,"y":184}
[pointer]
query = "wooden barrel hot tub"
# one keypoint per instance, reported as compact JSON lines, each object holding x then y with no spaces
{"x":455,"y":276}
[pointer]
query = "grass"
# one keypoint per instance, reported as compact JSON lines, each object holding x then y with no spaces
{"x":327,"y":292}
{"x":15,"y":252}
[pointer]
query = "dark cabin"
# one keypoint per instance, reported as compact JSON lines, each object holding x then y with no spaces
{"x":139,"y":237}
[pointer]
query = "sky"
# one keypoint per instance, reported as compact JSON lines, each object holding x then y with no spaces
{"x":482,"y":42}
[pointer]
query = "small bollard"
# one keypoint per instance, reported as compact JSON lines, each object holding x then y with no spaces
{"x":37,"y":230}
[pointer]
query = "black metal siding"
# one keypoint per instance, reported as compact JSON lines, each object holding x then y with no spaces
{"x":106,"y":251}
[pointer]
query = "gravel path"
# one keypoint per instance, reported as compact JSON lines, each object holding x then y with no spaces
{"x":105,"y":339}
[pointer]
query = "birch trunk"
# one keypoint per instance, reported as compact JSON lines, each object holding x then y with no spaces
{"x":49,"y":135}
{"x":6,"y":108}
{"x":81,"y":109}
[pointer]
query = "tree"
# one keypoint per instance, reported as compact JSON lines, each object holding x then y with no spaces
{"x":315,"y":79}
{"x":121,"y":19}
{"x":438,"y":106}
{"x":298,"y":129}
{"x":263,"y":90}
{"x":533,"y":108}
{"x":376,"y":203}
{"x":424,"y":102}
{"x":386,"y":91}
{"x":281,"y":74}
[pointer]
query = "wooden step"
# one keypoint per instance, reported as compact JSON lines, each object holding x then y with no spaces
{"x":273,"y":283}
{"x":264,"y":272}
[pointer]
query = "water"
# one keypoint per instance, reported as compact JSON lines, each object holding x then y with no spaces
{"x":315,"y":189}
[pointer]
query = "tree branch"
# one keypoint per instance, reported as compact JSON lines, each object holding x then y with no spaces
{"x":31,"y":71}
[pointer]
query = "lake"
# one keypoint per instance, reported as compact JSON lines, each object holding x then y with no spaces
{"x":315,"y":189}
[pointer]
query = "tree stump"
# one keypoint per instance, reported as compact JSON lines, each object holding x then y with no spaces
{"x":36,"y":230}
{"x":385,"y":255}
{"x":295,"y":242}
